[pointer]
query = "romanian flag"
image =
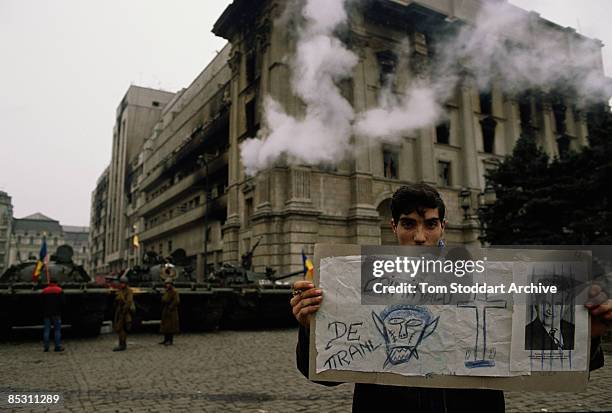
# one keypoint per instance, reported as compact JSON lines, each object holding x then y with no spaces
{"x":308,"y":267}
{"x":42,"y":260}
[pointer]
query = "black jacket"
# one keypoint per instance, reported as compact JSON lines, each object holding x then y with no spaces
{"x":53,"y":300}
{"x":368,"y":397}
{"x":537,"y":338}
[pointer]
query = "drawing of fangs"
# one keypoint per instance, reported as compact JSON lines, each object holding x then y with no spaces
{"x":404,"y":327}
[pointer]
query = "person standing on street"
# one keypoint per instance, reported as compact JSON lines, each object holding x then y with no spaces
{"x":169,"y":314}
{"x":124,"y":307}
{"x":53,"y":300}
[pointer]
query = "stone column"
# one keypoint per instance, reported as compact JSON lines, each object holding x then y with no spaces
{"x":548,"y":134}
{"x":513,"y":123}
{"x":582,"y":129}
{"x":300,"y":223}
{"x":427,"y":159}
{"x":232,"y":225}
{"x":468,"y":144}
{"x":362,"y":215}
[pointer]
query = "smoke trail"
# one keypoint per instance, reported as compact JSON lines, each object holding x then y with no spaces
{"x":504,"y":45}
{"x":323,"y":133}
{"x":396,"y":117}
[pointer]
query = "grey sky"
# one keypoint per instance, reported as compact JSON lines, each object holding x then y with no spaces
{"x":66,"y":64}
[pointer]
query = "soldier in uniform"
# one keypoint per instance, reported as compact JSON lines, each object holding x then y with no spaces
{"x":169,"y":314}
{"x":124,"y":306}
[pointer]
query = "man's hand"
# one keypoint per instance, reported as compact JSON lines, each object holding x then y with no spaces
{"x":306,"y":302}
{"x":600,"y":307}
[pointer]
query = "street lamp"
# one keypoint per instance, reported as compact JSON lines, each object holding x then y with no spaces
{"x":465,"y":201}
{"x":489,"y":197}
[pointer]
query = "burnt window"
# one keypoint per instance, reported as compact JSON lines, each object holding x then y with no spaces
{"x":346,"y":89}
{"x":387,"y":65}
{"x":443,"y":133}
{"x":170,"y":247}
{"x":525,"y":111}
{"x":390,"y":163}
{"x":563,"y":143}
{"x":560,"y":112}
{"x":155,"y":104}
{"x":252,"y":72}
{"x":444,"y":173}
{"x":486,"y":103}
{"x":250,"y":110}
{"x":248,"y":211}
{"x":488,"y":126}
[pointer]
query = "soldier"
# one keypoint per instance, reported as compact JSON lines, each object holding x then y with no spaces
{"x":169,"y":314}
{"x":124,"y":307}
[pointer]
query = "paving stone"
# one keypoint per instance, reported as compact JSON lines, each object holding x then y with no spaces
{"x":227,"y":371}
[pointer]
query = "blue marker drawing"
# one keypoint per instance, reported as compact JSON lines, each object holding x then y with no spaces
{"x":480,"y":305}
{"x":403,"y":328}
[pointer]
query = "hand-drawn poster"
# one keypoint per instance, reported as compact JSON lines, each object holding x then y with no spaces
{"x":477,"y":337}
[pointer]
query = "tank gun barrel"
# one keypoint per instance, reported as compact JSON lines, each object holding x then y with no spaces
{"x":282,"y":277}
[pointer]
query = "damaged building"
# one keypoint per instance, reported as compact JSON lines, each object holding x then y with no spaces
{"x":176,"y":179}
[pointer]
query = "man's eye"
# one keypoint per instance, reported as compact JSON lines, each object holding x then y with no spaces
{"x":432,"y":225}
{"x":407,"y":224}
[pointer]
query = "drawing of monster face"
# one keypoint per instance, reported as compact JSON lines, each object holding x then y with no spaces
{"x":403,"y":327}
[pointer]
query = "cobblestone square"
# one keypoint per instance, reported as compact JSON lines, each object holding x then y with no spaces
{"x":226,"y":371}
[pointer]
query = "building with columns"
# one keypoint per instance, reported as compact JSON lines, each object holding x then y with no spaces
{"x":188,"y":185}
{"x":6,"y":221}
{"x":27,"y":235}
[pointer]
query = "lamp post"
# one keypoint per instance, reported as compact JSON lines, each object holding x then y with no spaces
{"x":203,"y":161}
{"x":486,"y":199}
{"x":465,"y":201}
{"x":489,"y":197}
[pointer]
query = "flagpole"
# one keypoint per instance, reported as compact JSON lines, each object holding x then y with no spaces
{"x":46,"y":257}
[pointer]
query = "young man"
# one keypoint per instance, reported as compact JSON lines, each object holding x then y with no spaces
{"x":418,"y":214}
{"x":53,"y":300}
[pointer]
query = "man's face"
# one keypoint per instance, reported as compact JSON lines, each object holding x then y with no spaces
{"x":414,"y":229}
{"x":549,"y":313}
{"x":122,"y":285}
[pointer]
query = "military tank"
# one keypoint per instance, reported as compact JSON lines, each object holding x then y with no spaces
{"x":21,"y":301}
{"x":258,"y":299}
{"x":202,"y":304}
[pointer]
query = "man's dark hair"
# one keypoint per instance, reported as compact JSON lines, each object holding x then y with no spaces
{"x":416,"y":197}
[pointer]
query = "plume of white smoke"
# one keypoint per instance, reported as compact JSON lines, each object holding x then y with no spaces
{"x":397,"y":117}
{"x":504,"y":45}
{"x":323,"y":134}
